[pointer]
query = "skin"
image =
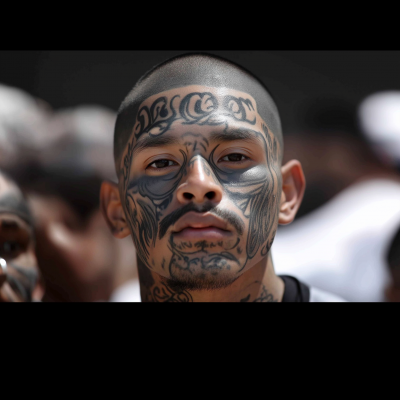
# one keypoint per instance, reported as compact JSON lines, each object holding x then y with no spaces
{"x":392,"y":291}
{"x":22,"y":280}
{"x":201,"y":191}
{"x":80,"y":260}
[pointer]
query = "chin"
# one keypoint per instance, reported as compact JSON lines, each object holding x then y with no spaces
{"x":200,"y":282}
{"x":206,"y":272}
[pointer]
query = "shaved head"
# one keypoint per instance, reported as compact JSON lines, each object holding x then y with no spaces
{"x":193,"y":69}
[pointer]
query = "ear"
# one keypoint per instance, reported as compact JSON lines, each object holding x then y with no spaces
{"x":293,"y":186}
{"x":112,"y":210}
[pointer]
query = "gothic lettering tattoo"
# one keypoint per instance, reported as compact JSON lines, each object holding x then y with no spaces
{"x":195,"y":108}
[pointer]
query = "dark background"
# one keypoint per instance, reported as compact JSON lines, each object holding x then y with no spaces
{"x":68,"y":78}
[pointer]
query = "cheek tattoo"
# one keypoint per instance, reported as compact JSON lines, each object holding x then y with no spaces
{"x":254,"y":191}
{"x":255,"y":195}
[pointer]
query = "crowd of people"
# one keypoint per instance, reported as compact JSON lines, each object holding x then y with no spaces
{"x":58,"y":159}
{"x":178,"y":196}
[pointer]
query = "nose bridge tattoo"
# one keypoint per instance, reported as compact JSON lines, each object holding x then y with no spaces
{"x":195,"y":141}
{"x":147,"y":197}
{"x":199,"y":162}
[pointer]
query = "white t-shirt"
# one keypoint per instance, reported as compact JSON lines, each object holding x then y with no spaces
{"x":341,"y":246}
{"x":128,"y":292}
{"x":321,"y":296}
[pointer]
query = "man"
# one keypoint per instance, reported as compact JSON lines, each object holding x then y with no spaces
{"x":198,"y":149}
{"x":79,"y":258}
{"x":59,"y":160}
{"x":19,"y":274}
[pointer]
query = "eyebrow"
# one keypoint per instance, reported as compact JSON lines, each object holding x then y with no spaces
{"x":15,"y":226}
{"x":9,"y":225}
{"x":228,"y":135}
{"x":155,"y":141}
{"x":231,"y":135}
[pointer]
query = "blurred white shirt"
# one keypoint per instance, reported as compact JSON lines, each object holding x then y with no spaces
{"x":341,"y":246}
{"x":128,"y":292}
{"x":321,"y":296}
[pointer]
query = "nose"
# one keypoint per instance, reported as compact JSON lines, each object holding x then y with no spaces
{"x":200,"y":185}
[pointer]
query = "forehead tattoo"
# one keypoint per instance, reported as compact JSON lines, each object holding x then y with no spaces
{"x":146,"y":198}
{"x":196,"y":108}
{"x":194,"y":69}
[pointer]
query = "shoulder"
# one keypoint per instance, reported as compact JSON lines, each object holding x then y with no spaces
{"x":294,"y":290}
{"x":321,"y":296}
{"x":297,"y":291}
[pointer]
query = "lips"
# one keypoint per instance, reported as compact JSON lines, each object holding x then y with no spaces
{"x":194,"y":225}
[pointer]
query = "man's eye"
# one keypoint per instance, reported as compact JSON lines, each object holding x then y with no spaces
{"x":161,"y":164}
{"x":10,"y":248}
{"x":234,"y":157}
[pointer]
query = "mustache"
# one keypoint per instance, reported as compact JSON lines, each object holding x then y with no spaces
{"x":229,"y":216}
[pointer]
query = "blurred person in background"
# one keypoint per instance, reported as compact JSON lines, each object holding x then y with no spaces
{"x":380,"y":120}
{"x":23,"y":127}
{"x":80,"y":259}
{"x":20,"y":279}
{"x":60,"y":161}
{"x":353,"y":201}
{"x":392,"y":291}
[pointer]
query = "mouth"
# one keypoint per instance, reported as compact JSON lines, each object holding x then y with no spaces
{"x":207,"y":233}
{"x":195,"y":226}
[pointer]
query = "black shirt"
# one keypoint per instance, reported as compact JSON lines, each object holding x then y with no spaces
{"x":295,"y":291}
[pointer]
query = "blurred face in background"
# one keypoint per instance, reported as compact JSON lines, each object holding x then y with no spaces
{"x":60,"y":159}
{"x":75,"y":250}
{"x":19,"y":273}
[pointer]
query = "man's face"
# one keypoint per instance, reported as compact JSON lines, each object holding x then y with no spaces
{"x":200,"y":182}
{"x":19,"y":275}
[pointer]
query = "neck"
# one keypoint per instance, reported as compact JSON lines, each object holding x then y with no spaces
{"x":258,"y":284}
